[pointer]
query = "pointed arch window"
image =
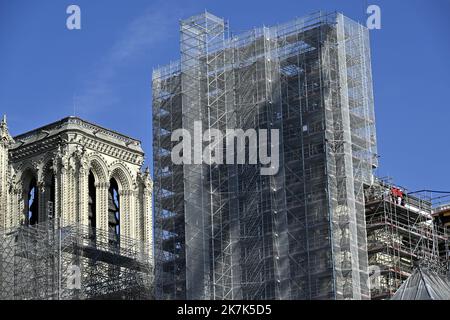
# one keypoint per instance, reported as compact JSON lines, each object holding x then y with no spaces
{"x":114,"y":213}
{"x":92,"y":207}
{"x":32,"y":203}
{"x":50,"y":191}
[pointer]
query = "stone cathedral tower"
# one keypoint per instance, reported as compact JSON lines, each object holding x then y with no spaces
{"x":80,"y":172}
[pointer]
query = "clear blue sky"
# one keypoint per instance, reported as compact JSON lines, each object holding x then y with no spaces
{"x":107,"y":66}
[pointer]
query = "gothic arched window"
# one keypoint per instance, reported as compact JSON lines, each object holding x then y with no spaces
{"x":49,"y":194}
{"x":32,"y":202}
{"x":113,"y":212}
{"x":92,"y":204}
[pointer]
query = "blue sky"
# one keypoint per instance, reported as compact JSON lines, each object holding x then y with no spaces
{"x":107,"y":67}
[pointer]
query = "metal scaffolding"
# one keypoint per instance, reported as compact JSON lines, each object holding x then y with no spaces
{"x":47,"y":262}
{"x":227,"y":232}
{"x":402,"y":235}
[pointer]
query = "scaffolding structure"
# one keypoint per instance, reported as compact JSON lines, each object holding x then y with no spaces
{"x":227,"y":232}
{"x":45,"y":262}
{"x":402,"y":235}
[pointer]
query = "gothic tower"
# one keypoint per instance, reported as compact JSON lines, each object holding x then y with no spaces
{"x":82,"y":174}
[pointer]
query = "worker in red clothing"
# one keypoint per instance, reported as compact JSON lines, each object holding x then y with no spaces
{"x":397,"y":195}
{"x":393,"y":194}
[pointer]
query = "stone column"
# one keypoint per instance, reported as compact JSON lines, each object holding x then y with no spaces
{"x":69,"y":191}
{"x":132,"y":214}
{"x":63,"y":187}
{"x":3,"y":183}
{"x":147,"y":216}
{"x":5,"y":142}
{"x":15,"y":213}
{"x":125,"y":199}
{"x":137,"y":223}
{"x":145,"y":213}
{"x":83,"y":195}
{"x":101,"y":189}
{"x":57,"y":205}
{"x":72,"y":194}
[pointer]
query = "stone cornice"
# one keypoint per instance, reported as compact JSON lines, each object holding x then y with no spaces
{"x":73,"y":124}
{"x":118,"y":152}
{"x":22,"y":151}
{"x":96,"y":144}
